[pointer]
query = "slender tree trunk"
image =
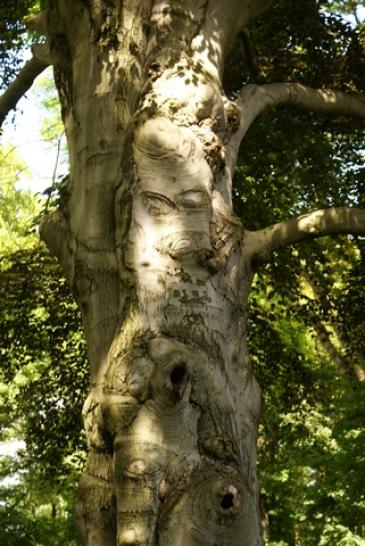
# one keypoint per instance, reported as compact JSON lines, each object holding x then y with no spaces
{"x":297,"y":535}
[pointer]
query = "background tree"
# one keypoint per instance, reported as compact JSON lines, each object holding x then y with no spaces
{"x":42,"y":377}
{"x":43,"y":371}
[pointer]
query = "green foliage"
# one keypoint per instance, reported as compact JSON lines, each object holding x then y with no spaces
{"x":52,"y":126}
{"x":44,"y":370}
{"x":13,"y":36}
{"x":312,"y":444}
{"x":43,"y":380}
{"x":32,"y":513}
{"x":52,"y":133}
{"x":348,"y":7}
{"x":341,"y":536}
{"x":17,"y":208}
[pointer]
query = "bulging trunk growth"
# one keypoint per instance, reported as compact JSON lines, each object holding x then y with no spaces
{"x":161,"y":266}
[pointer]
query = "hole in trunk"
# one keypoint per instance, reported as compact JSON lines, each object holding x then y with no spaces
{"x":227,"y":501}
{"x":178,"y":374}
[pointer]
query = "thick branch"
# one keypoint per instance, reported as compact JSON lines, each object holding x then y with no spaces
{"x":310,"y":226}
{"x":23,"y":82}
{"x":260,"y":98}
{"x":256,"y":99}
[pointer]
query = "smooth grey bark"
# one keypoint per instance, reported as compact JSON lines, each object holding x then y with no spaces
{"x":161,"y":268}
{"x":340,"y":220}
{"x":255,"y":99}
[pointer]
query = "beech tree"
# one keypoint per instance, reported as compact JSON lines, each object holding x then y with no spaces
{"x":159,"y":263}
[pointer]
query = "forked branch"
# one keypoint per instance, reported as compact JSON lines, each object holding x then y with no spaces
{"x":323,"y":222}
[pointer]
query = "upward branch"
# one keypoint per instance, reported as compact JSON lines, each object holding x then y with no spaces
{"x":32,"y":68}
{"x":256,"y":99}
{"x":310,"y":226}
{"x":262,"y":97}
{"x":260,"y":6}
{"x":250,"y":54}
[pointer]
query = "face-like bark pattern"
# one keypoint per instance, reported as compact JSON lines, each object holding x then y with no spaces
{"x":169,"y":239}
{"x":159,"y":265}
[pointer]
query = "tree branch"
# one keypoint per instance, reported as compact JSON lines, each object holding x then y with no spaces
{"x":32,"y":68}
{"x":310,"y":226}
{"x":343,"y":367}
{"x":54,"y":232}
{"x":38,"y":22}
{"x":314,"y":100}
{"x":347,"y":363}
{"x":256,"y":99}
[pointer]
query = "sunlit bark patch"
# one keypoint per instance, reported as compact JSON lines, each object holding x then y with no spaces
{"x":173,"y":188}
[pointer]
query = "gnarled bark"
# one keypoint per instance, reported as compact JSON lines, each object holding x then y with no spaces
{"x":155,"y":254}
{"x":161,"y":269}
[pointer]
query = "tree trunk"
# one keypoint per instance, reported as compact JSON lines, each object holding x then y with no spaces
{"x":161,"y":267}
